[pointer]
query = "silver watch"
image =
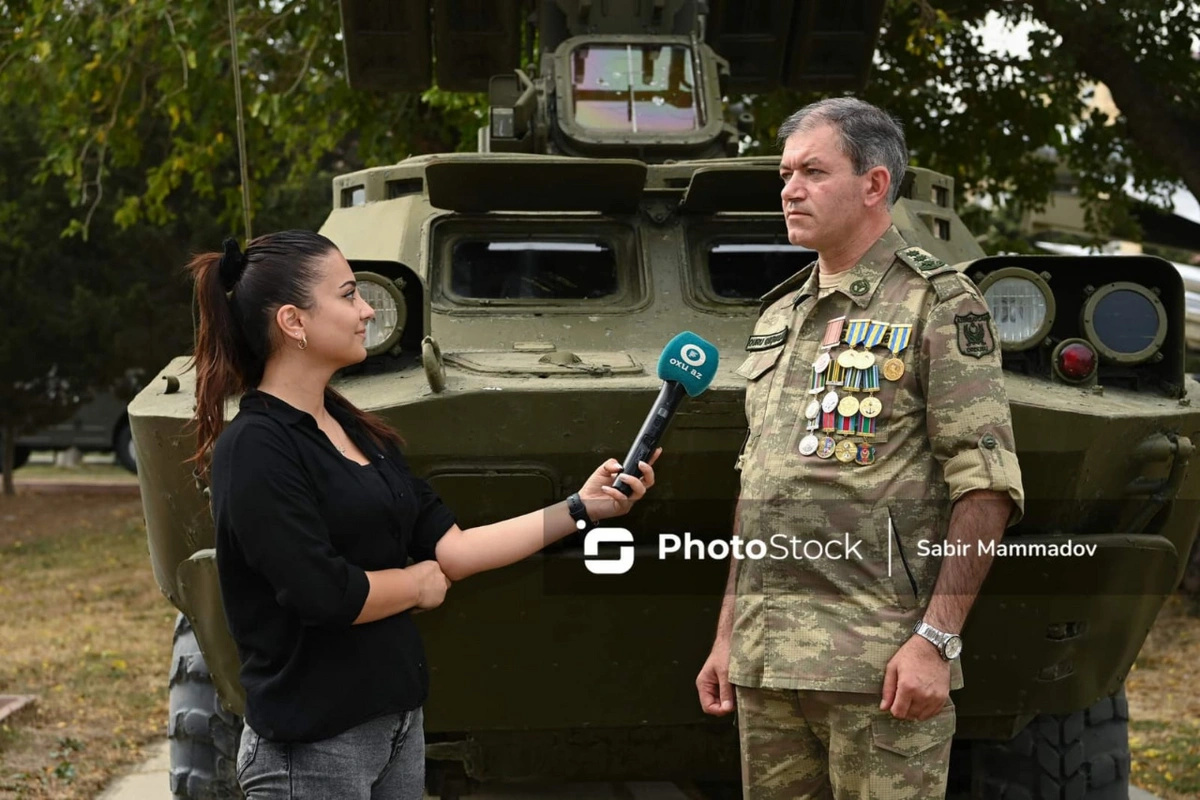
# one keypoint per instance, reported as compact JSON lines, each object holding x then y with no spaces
{"x":949,"y":645}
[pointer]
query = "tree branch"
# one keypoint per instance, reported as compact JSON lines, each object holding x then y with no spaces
{"x":1154,"y":122}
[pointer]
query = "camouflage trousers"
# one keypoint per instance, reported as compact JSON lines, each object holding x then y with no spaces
{"x":805,"y":744}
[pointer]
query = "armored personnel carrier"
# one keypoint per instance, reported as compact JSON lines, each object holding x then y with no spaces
{"x":523,"y":293}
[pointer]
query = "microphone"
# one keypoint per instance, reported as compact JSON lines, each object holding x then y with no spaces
{"x":687,"y":366}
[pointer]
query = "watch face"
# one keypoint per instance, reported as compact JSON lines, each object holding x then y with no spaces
{"x":953,"y":647}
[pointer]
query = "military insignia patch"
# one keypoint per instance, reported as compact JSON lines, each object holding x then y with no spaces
{"x":765,"y":341}
{"x":974,"y":335}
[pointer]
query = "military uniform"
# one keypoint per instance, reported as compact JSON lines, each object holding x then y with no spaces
{"x":871,"y":410}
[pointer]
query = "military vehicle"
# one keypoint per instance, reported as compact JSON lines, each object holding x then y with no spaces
{"x":522,"y":294}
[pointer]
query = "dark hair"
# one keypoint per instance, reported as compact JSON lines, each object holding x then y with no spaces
{"x":238,"y":294}
{"x":869,"y":136}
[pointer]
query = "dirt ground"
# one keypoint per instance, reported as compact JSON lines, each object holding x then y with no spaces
{"x":85,"y":629}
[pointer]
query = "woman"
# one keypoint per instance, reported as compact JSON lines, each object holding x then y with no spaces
{"x":317,"y":515}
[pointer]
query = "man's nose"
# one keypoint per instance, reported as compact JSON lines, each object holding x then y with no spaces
{"x":793,"y":190}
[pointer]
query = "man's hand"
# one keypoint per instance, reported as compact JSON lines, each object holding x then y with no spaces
{"x":917,"y":683}
{"x":716,"y":693}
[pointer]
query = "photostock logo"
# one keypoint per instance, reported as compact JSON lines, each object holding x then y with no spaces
{"x":608,"y":566}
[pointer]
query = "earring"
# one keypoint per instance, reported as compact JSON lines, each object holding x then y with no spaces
{"x":303,"y":342}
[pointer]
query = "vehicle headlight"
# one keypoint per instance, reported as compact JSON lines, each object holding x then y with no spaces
{"x":1125,"y":321}
{"x":383,"y":295}
{"x":1022,"y":306}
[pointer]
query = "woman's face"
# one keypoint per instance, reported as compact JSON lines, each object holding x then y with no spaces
{"x":336,"y":323}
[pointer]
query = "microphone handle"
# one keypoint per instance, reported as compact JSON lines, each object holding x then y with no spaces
{"x":668,"y":400}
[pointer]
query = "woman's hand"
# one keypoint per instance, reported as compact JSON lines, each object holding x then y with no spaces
{"x":432,"y":584}
{"x":603,"y":501}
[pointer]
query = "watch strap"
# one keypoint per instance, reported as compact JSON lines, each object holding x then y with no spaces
{"x":579,"y":513}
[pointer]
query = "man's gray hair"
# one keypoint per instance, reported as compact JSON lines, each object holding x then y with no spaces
{"x":870,"y":137}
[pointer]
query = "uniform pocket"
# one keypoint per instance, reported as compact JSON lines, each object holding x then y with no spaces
{"x":904,"y":578}
{"x":756,"y":367}
{"x":910,"y":739}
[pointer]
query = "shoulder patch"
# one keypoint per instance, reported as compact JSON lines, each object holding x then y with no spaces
{"x":794,"y":282}
{"x":922,"y":261}
{"x":974,"y":334}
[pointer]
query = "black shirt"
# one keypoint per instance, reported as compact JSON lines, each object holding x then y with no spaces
{"x":297,"y":526}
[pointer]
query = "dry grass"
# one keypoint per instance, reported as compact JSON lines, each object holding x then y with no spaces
{"x":1164,"y":704}
{"x":85,"y":629}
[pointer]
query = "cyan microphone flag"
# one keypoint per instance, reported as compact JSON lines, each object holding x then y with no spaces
{"x":689,"y":360}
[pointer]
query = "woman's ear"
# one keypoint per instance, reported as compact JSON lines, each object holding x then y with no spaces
{"x":290,"y":322}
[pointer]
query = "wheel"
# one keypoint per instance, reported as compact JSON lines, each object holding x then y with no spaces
{"x":21,"y":457}
{"x":204,"y":736}
{"x":123,"y":447}
{"x":1080,"y":756}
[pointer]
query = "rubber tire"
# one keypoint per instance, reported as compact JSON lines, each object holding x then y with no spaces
{"x":204,"y":737}
{"x":1080,"y":756}
{"x":21,"y":456}
{"x":123,"y":448}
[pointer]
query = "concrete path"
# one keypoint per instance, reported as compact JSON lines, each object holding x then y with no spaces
{"x":149,"y":782}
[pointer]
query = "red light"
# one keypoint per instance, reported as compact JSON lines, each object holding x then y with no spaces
{"x":1077,"y":361}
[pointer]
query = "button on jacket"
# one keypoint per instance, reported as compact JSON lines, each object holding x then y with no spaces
{"x":842,"y":581}
{"x":298,"y":525}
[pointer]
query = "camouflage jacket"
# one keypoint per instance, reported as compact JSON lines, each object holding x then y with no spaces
{"x":850,"y":464}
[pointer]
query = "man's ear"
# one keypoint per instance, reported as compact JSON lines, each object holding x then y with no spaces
{"x":877,"y":187}
{"x":290,"y":322}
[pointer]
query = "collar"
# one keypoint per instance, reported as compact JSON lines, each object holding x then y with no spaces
{"x":255,"y":400}
{"x":866,"y":275}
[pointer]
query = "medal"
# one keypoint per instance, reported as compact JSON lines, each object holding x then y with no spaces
{"x":893,"y":368}
{"x":869,"y":407}
{"x":866,"y":427}
{"x":845,"y":451}
{"x":848,"y":406}
{"x":808,"y":445}
{"x":864,"y":360}
{"x":826,"y":448}
{"x":829,"y":402}
{"x":821,"y":363}
{"x":864,"y":453}
{"x":847,"y":359}
{"x":828,"y":422}
{"x":816,"y":382}
{"x":813,"y":409}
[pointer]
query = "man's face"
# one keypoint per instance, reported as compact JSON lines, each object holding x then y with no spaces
{"x":823,"y":200}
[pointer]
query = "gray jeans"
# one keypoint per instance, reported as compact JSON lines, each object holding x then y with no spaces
{"x":383,"y":759}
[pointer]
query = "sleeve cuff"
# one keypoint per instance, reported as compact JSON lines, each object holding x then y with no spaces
{"x":354,"y":598}
{"x":990,"y":469}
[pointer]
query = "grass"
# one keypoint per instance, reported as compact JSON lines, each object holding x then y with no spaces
{"x":90,"y":470}
{"x":1164,"y":704}
{"x":86,"y":630}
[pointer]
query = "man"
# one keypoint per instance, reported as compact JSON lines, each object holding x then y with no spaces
{"x":878,"y":418}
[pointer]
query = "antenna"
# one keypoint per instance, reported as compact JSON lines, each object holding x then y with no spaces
{"x":241,"y":125}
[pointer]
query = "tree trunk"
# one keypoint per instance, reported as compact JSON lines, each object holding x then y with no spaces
{"x":1158,"y":125}
{"x":9,"y":458}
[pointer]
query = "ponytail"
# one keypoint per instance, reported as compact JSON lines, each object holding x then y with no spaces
{"x":238,"y":295}
{"x":223,"y":359}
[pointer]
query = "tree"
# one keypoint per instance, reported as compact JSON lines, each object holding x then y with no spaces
{"x":999,"y":124}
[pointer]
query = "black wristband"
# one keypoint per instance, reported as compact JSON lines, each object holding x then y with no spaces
{"x":579,"y":513}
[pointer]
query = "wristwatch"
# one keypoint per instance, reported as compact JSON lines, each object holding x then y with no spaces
{"x":949,"y":645}
{"x":579,"y":513}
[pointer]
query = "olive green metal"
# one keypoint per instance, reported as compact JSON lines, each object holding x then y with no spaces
{"x":508,"y":399}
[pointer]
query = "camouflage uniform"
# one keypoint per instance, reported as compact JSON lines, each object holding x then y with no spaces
{"x":813,"y":635}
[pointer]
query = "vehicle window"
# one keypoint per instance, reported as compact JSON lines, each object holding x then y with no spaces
{"x":636,"y":88}
{"x":528,"y":269}
{"x":747,"y":271}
